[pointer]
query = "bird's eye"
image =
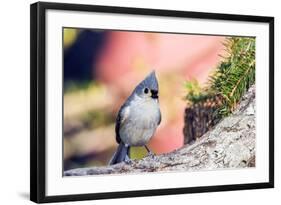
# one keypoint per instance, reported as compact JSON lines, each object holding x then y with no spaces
{"x":146,"y":90}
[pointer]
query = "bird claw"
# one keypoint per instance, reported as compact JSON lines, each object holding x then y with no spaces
{"x":150,"y":154}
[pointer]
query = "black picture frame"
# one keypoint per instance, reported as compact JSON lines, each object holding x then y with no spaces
{"x":38,"y":100}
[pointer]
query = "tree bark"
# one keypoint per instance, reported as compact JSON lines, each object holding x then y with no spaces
{"x":229,"y":144}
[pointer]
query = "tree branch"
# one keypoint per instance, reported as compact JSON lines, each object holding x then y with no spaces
{"x":230,"y":144}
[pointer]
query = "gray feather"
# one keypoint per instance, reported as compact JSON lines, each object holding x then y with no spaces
{"x":160,"y":118}
{"x":149,"y":82}
{"x":120,"y":155}
{"x":121,"y":118}
{"x":117,"y":126}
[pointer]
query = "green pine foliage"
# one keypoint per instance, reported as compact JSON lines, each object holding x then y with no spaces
{"x":232,"y":77}
{"x":195,"y":94}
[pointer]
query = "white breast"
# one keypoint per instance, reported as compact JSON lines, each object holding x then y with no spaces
{"x":141,"y":123}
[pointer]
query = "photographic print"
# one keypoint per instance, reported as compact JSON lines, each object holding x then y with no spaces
{"x":152,"y":102}
{"x":129,"y":102}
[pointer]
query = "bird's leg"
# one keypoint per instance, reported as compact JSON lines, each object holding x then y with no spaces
{"x":149,"y":152}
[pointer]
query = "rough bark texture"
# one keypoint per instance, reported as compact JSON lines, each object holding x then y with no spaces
{"x":230,"y":144}
{"x":200,"y":118}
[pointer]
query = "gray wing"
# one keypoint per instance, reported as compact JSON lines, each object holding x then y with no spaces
{"x":117,"y":127}
{"x":121,"y":118}
{"x":160,"y":118}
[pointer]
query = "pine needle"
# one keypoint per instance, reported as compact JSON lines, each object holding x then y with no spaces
{"x":231,"y":79}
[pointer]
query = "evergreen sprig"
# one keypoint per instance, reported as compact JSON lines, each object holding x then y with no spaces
{"x":195,"y":92}
{"x":232,"y":77}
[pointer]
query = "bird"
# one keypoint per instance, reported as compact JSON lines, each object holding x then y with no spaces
{"x":137,"y":119}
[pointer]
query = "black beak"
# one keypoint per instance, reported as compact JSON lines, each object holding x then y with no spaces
{"x":154,"y":94}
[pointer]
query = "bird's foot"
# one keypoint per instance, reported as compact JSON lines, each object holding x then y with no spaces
{"x":150,"y":154}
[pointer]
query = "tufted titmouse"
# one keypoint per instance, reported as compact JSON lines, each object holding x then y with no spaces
{"x":137,"y":118}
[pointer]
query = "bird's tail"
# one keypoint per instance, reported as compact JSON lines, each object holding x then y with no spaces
{"x":120,"y":155}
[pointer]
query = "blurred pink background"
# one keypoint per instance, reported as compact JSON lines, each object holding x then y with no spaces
{"x":127,"y":57}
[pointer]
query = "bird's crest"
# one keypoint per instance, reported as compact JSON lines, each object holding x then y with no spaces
{"x":150,"y":82}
